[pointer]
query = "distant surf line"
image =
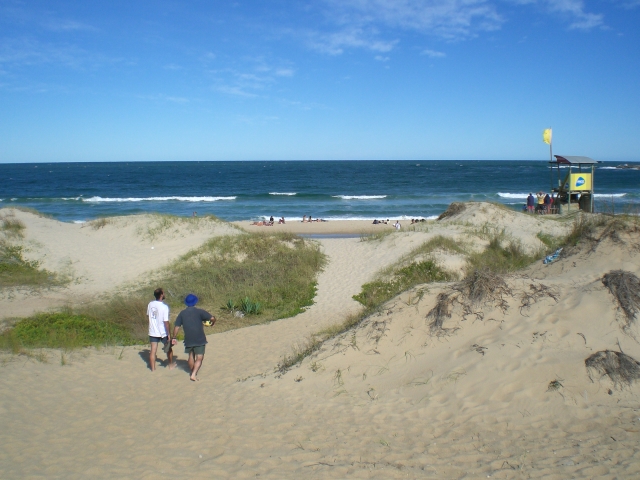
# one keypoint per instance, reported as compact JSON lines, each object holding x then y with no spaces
{"x":155,"y":199}
{"x":359,"y":197}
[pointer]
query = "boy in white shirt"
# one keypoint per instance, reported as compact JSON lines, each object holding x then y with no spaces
{"x":158,"y":313}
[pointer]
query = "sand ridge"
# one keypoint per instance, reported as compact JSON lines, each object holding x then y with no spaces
{"x":387,"y":400}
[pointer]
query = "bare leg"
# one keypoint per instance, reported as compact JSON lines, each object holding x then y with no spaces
{"x":170,"y":358}
{"x":196,"y":367}
{"x":152,"y":356}
{"x":191,"y":360}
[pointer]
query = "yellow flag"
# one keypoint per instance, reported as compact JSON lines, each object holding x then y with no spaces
{"x":546,"y":136}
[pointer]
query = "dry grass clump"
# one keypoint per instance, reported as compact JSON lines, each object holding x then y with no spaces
{"x":620,"y":367}
{"x":454,"y":209}
{"x":480,"y":288}
{"x":535,"y":293}
{"x":483,"y":287}
{"x":625,"y":287}
{"x":441,"y":311}
{"x":99,"y":223}
{"x":11,"y":226}
{"x":592,"y":230}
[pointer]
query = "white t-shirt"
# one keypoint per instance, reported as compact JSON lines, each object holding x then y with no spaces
{"x":158,"y":314}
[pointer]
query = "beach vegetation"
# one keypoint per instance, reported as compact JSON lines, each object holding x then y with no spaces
{"x":625,"y":288}
{"x":99,"y":223}
{"x":11,"y":226}
{"x":273,"y":276}
{"x":161,"y":223}
{"x":379,"y":291}
{"x":442,"y":243}
{"x":63,"y":330}
{"x":16,"y":271}
{"x":454,"y":208}
{"x":551,"y":242}
{"x":501,"y":256}
{"x":376,"y":236}
{"x":621,"y":368}
{"x":32,"y":211}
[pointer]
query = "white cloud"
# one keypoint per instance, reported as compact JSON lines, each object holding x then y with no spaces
{"x":450,"y":19}
{"x":30,"y":52}
{"x":284,"y":72}
{"x":381,"y":58}
{"x":335,"y":43}
{"x":575,"y":10}
{"x":234,"y":90}
{"x":433,"y":53}
{"x":165,"y":98}
{"x":368,"y":24}
{"x":57,"y":25}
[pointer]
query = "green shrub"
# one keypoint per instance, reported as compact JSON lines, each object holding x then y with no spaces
{"x":66,"y":330}
{"x":377,"y":292}
{"x":16,"y":271}
{"x":501,"y":259}
{"x":12,"y":226}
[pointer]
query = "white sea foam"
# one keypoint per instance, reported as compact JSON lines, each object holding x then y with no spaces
{"x":609,"y":195}
{"x":157,"y":199}
{"x":79,"y":221}
{"x":610,"y":168}
{"x":359,"y":197}
{"x":513,"y":195}
{"x":282,"y":193}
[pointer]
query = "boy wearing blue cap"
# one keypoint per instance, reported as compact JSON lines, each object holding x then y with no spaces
{"x":191,"y":319}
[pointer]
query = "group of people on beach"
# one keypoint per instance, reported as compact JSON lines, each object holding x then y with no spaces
{"x":191,"y":319}
{"x":269,"y":223}
{"x":309,"y":220}
{"x":541,"y":203}
{"x":396,"y":225}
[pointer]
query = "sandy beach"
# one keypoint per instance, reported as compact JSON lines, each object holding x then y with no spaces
{"x":503,"y":392}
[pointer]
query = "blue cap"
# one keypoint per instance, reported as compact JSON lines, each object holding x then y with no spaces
{"x":191,"y":300}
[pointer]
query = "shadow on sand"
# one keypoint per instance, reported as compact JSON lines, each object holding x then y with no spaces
{"x":164,"y":362}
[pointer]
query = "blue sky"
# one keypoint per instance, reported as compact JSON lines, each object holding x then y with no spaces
{"x":325,"y":79}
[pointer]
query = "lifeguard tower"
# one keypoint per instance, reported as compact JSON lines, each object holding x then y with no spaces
{"x":574,"y":190}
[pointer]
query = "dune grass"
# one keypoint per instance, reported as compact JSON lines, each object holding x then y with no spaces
{"x":402,"y":278}
{"x":63,"y":330}
{"x":16,"y":271}
{"x":276,"y":272}
{"x":11,"y":226}
{"x":501,"y":256}
{"x":162,"y":224}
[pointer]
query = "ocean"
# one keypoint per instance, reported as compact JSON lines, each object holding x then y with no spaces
{"x":253,"y":190}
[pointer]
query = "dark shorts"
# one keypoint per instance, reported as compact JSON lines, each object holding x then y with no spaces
{"x":158,"y":339}
{"x":197,"y":350}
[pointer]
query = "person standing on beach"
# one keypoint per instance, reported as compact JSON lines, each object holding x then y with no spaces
{"x":531,"y":203}
{"x":191,"y":319}
{"x":158,"y":313}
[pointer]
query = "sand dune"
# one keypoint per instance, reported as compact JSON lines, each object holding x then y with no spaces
{"x":387,"y":400}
